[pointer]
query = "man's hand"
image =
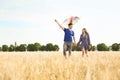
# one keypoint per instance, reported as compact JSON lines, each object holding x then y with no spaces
{"x":74,"y":44}
{"x":56,"y":21}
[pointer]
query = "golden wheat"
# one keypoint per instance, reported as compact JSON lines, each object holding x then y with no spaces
{"x":53,"y":66}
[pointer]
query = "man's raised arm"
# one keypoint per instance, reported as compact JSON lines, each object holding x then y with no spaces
{"x":59,"y":24}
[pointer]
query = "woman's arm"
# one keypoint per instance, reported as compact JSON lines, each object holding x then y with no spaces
{"x":59,"y":24}
{"x":88,"y":39}
{"x":80,"y":40}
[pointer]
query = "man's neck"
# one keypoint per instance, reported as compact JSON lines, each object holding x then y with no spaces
{"x":69,"y":28}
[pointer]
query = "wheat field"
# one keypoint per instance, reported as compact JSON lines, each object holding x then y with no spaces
{"x":53,"y":66}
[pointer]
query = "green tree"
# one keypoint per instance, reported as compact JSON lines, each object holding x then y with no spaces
{"x":31,"y":47}
{"x":37,"y":46}
{"x":17,"y":48}
{"x":15,"y":44}
{"x":5,"y":48}
{"x":0,"y":49}
{"x":56,"y":48}
{"x":93,"y":48}
{"x":115,"y":47}
{"x":119,"y":46}
{"x":43,"y":48}
{"x":12,"y":48}
{"x":22,"y":47}
{"x":49,"y":47}
{"x":102,"y":47}
{"x":90,"y":47}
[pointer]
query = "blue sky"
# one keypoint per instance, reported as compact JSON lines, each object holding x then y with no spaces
{"x":29,"y":21}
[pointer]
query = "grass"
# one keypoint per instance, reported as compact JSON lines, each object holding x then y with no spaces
{"x":53,"y":66}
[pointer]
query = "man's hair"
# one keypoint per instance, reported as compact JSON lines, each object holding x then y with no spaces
{"x":70,"y":24}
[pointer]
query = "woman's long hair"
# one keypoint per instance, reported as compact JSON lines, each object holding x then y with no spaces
{"x":85,"y":31}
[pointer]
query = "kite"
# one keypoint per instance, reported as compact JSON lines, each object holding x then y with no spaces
{"x":73,"y":20}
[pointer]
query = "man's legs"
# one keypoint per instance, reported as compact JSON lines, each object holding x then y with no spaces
{"x":64,"y":48}
{"x":70,"y":48}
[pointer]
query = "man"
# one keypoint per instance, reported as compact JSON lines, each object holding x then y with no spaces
{"x":69,"y":35}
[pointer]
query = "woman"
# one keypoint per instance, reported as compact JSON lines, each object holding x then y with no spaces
{"x":84,"y":42}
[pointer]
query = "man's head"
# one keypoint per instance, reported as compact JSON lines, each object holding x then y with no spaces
{"x":70,"y":25}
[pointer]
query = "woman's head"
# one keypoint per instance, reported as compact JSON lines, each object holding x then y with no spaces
{"x":84,"y":31}
{"x":70,"y":25}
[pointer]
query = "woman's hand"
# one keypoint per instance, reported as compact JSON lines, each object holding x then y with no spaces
{"x":89,"y":47}
{"x":78,"y":44}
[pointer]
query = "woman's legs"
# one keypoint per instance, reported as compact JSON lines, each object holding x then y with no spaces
{"x":83,"y":51}
{"x":86,"y":50}
{"x":86,"y":53}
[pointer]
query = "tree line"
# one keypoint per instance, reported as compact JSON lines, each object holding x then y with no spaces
{"x":30,"y":47}
{"x":100,"y":47}
{"x":50,"y":47}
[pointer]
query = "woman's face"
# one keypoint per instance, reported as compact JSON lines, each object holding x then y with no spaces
{"x":83,"y":31}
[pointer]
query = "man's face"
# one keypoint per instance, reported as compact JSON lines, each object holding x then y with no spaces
{"x":71,"y":26}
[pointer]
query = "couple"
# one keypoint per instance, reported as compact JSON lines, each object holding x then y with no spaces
{"x":84,"y":41}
